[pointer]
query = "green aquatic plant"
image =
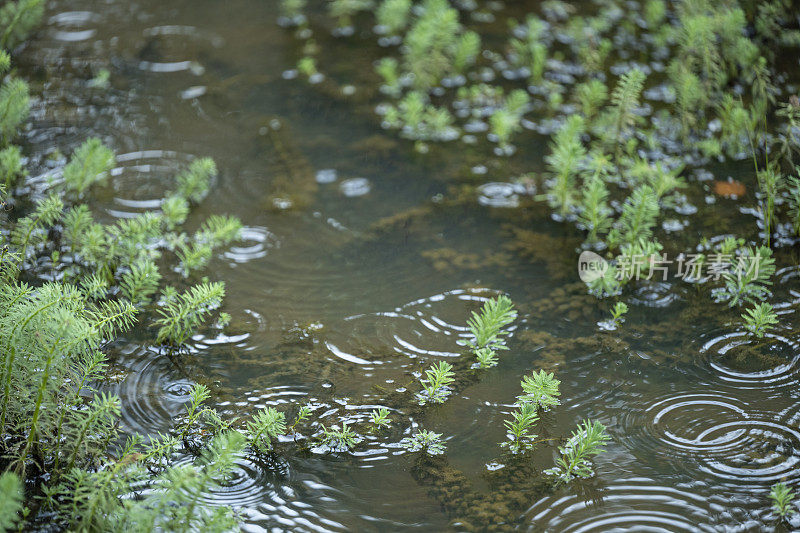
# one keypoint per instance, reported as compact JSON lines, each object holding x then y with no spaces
{"x":518,"y":428}
{"x":437,"y":46}
{"x":486,"y":357}
{"x":90,"y":163}
{"x":486,"y":326}
{"x":564,"y":162}
{"x":529,"y":51}
{"x":420,"y":120}
{"x":344,"y":10}
{"x":770,"y":182}
{"x":591,"y":95}
{"x":303,"y":414}
{"x":540,"y":390}
{"x":265,"y":426}
{"x":594,"y":212}
{"x":435,"y":385}
{"x":574,"y":462}
{"x":759,"y":319}
{"x":182,"y":313}
{"x":747,"y":279}
{"x":424,"y":440}
{"x":387,"y":68}
{"x":100,"y":500}
{"x":639,"y":216}
{"x":307,"y":66}
{"x":379,"y":418}
{"x":618,"y":312}
{"x":392,"y":16}
{"x":14,"y":108}
{"x":292,"y":10}
{"x":141,"y":282}
{"x":10,"y":500}
{"x":10,"y":166}
{"x":339,"y":440}
{"x":505,"y":121}
{"x":625,"y":99}
{"x":782,"y":500}
{"x":18,"y":19}
{"x":193,"y":184}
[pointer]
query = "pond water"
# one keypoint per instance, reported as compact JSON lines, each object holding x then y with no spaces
{"x":359,"y":265}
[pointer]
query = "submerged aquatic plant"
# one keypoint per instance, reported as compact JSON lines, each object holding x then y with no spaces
{"x":747,"y":280}
{"x":265,"y":426}
{"x":589,"y":439}
{"x":638,"y":218}
{"x":18,"y":19}
{"x":424,"y":440}
{"x":90,"y":163}
{"x":759,"y":319}
{"x":379,"y":418}
{"x":437,"y":46}
{"x":540,"y":390}
{"x":10,"y":500}
{"x":566,"y":157}
{"x":518,"y":428}
{"x":339,"y":440}
{"x":782,"y":500}
{"x":182,"y":313}
{"x":435,"y":385}
{"x":619,"y":310}
{"x":487,"y":326}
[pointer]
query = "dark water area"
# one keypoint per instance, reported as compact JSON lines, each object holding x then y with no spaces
{"x":359,"y":264}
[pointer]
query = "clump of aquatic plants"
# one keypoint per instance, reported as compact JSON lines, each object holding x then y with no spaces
{"x":540,"y":393}
{"x":59,"y":434}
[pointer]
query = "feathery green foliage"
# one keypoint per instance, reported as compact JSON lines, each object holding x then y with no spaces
{"x":90,"y":163}
{"x":564,"y":161}
{"x":748,"y":278}
{"x":424,"y":440}
{"x":759,"y":319}
{"x":436,"y":46}
{"x":540,"y":390}
{"x":183,"y":313}
{"x":589,"y":439}
{"x":194,"y":183}
{"x":595,"y":213}
{"x":638,"y":218}
{"x":486,"y":327}
{"x":625,"y":99}
{"x":379,"y":418}
{"x":10,"y":500}
{"x":14,"y":108}
{"x":10,"y":166}
{"x":518,"y":429}
{"x":435,"y":385}
{"x":17,"y":19}
{"x":339,"y":440}
{"x":141,"y":282}
{"x":392,"y":15}
{"x":782,"y":500}
{"x":265,"y":426}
